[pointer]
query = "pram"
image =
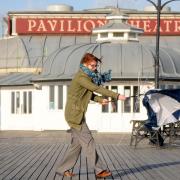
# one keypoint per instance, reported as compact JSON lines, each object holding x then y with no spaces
{"x":163,"y":111}
{"x":163,"y":108}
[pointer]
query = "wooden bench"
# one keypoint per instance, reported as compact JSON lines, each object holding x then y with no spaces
{"x":172,"y":131}
{"x":140,"y":132}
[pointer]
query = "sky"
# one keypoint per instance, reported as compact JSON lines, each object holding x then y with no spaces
{"x":41,"y":5}
{"x":23,"y":5}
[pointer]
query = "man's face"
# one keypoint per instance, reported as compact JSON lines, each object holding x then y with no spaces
{"x":92,"y":65}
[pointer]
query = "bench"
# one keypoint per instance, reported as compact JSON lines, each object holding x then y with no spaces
{"x":140,"y":132}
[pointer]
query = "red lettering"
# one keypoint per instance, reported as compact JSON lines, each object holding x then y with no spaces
{"x":85,"y":25}
{"x":52,"y":24}
{"x":79,"y":25}
{"x":146,"y":25}
{"x":177,"y":26}
{"x":41,"y":26}
{"x":61,"y":29}
{"x":70,"y":28}
{"x":135,"y":23}
{"x":88,"y":25}
{"x":31,"y":25}
{"x":167,"y":25}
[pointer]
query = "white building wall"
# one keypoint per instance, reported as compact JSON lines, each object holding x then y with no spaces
{"x":44,"y":118}
{"x":11,"y":121}
{"x":49,"y":119}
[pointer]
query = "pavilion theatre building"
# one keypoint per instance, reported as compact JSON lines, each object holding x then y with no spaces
{"x":42,"y":50}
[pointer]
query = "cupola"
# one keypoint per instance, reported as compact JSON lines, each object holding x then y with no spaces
{"x":117,"y":29}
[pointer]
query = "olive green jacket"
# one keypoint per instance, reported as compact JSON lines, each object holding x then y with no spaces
{"x":79,"y":95}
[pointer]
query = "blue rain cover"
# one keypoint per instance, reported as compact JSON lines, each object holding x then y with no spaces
{"x":152,"y":118}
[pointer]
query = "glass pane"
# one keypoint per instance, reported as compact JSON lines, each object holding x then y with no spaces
{"x":25,"y":102}
{"x":60,"y":97}
{"x":17,"y":102}
{"x":12,"y":102}
{"x":30,"y":101}
{"x":170,"y":86}
{"x":127,"y":102}
{"x":162,"y":86}
{"x":105,"y":108}
{"x":114,"y":104}
{"x":104,"y":35}
{"x":51,"y":97}
{"x":118,"y":34}
{"x":136,"y":99}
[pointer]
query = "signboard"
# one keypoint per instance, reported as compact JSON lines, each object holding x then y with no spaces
{"x":57,"y":25}
{"x":75,"y":26}
{"x":167,"y":26}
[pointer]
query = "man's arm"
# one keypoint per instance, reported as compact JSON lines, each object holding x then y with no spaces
{"x":86,"y":83}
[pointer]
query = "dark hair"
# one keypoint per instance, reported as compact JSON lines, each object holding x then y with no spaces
{"x":89,"y":57}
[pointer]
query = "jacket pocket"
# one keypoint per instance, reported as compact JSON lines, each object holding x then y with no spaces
{"x":74,"y":114}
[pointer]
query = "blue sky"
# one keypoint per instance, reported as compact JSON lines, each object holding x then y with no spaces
{"x":13,"y":5}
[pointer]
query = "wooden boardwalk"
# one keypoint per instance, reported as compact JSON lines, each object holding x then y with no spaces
{"x":36,"y":155}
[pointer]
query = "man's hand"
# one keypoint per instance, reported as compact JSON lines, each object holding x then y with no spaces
{"x":105,"y":101}
{"x":121,"y":97}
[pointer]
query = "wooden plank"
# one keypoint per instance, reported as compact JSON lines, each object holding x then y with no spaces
{"x":37,"y":158}
{"x":115,"y":166}
{"x":51,"y":163}
{"x":44,"y":163}
{"x":52,"y":174}
{"x":140,"y":164}
{"x":155,"y":172}
{"x":10,"y":156}
{"x":25,"y":165}
{"x":38,"y":162}
{"x":126,"y":170}
{"x":106,"y":158}
{"x":163,"y":164}
{"x":132,"y":163}
{"x":9,"y":165}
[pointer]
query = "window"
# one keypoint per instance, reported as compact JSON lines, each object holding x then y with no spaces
{"x":105,"y":108}
{"x":131,"y":104}
{"x":132,"y":35}
{"x":30,"y":101}
{"x":56,"y":97}
{"x":112,"y":107}
{"x":17,"y":102}
{"x":136,"y":99}
{"x":104,"y":35}
{"x":21,"y":102}
{"x":60,"y":97}
{"x":118,"y":34}
{"x":127,"y":102}
{"x":51,"y":97}
{"x":162,"y":86}
{"x":12,"y":102}
{"x":114,"y":104}
{"x":170,"y":86}
{"x":25,"y":102}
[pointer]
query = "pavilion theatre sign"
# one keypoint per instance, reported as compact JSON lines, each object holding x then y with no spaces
{"x":72,"y":26}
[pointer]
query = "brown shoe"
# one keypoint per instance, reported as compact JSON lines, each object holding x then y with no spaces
{"x":68,"y":174}
{"x":103,"y":174}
